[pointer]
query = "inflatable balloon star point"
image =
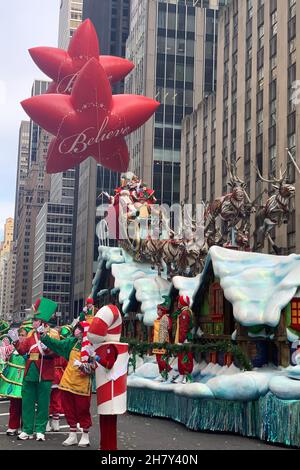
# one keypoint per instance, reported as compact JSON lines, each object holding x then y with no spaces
{"x":63,"y":66}
{"x":90,"y":121}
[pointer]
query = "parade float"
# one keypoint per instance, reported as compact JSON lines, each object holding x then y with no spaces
{"x":245,"y":306}
{"x":212,"y":325}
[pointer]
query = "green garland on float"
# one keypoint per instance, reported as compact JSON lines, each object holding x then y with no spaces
{"x":137,"y":348}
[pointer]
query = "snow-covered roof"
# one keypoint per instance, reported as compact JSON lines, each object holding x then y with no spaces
{"x":142,"y":281}
{"x":186,"y":285}
{"x":258,"y":286}
{"x":150,"y":291}
{"x":133,"y":279}
{"x":111,"y":255}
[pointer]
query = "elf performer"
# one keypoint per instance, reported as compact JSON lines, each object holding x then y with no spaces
{"x":75,"y":384}
{"x":11,"y":382}
{"x":60,"y":363}
{"x":162,"y":329}
{"x":111,"y":372}
{"x":38,"y":374}
{"x":184,"y":328}
{"x":4,"y":327}
{"x":88,"y":312}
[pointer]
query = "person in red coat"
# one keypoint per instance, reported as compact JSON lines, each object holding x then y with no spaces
{"x":38,"y":374}
{"x":56,"y":408}
{"x":183,"y":335}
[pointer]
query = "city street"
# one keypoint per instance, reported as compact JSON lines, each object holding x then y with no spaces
{"x":137,"y":433}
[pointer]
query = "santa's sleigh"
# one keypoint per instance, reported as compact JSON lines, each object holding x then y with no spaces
{"x":130,"y":227}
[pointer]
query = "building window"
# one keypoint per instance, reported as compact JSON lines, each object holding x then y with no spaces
{"x":274,"y":23}
{"x":260,"y":78}
{"x":295,"y":314}
{"x":261,"y":34}
{"x":249,"y":9}
{"x":216,"y":301}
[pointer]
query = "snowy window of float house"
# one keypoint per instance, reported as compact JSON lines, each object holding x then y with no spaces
{"x":216,"y":302}
{"x":295,"y":313}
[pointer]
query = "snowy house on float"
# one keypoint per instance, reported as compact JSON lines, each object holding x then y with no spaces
{"x":134,"y":287}
{"x":252,"y":298}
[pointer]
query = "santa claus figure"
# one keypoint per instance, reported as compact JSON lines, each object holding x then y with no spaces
{"x":184,"y":328}
{"x":111,"y":372}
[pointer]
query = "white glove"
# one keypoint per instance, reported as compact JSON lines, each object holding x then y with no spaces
{"x":41,"y":329}
{"x":13,"y":335}
{"x":91,"y":351}
{"x":43,"y":346}
{"x":85,"y":310}
{"x":74,"y":322}
{"x":77,"y":363}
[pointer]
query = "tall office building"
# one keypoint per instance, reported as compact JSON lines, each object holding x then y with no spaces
{"x":5,"y":245}
{"x":173,"y":46}
{"x":111,"y":20}
{"x":254,"y":114}
{"x":32,"y":190}
{"x":22,"y":170}
{"x":52,"y":255}
{"x":39,"y":87}
{"x":36,"y":193}
{"x":7,"y":283}
{"x":70,"y":17}
{"x":7,"y":270}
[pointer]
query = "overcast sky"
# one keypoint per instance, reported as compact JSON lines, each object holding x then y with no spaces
{"x":23,"y":24}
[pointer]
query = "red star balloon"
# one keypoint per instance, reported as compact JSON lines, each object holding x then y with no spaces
{"x":90,"y":122}
{"x":63,"y":66}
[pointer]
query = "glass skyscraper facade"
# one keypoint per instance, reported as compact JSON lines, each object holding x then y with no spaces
{"x":179,"y":74}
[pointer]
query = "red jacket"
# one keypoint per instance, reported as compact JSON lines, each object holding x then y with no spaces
{"x":60,"y":363}
{"x":27,"y":346}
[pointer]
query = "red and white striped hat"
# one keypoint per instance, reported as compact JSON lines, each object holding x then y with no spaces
{"x":184,"y":300}
{"x":106,"y":325}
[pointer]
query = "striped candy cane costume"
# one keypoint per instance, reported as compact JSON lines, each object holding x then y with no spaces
{"x":111,"y":373}
{"x":84,"y":356}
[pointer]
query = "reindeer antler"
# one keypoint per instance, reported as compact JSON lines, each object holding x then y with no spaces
{"x":274,"y":180}
{"x":234,"y":166}
{"x":232,"y":170}
{"x":293,"y":160}
{"x":229,"y":171}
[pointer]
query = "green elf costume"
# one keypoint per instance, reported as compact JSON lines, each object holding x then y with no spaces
{"x":13,"y":372}
{"x":38,"y":374}
{"x":4,"y":327}
{"x":11,"y":382}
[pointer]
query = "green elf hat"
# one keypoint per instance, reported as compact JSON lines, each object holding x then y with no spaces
{"x":43,"y":309}
{"x":4,"y":327}
{"x":26,"y":325}
{"x":66,"y":331}
{"x":165,"y":305}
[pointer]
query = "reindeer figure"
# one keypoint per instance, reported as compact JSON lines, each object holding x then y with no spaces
{"x":275,"y":212}
{"x":229,"y":208}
